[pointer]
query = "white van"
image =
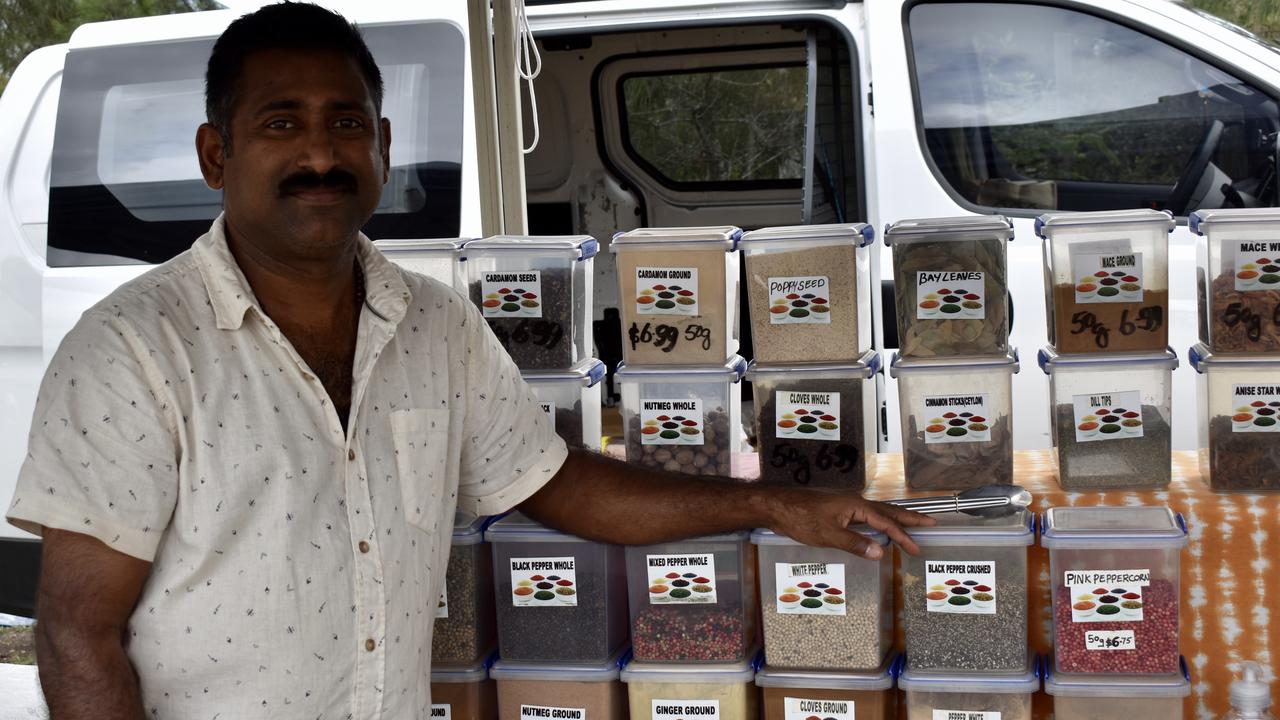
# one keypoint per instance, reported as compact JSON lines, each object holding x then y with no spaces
{"x":661,"y":113}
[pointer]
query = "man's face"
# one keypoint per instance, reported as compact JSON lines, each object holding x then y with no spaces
{"x":307,"y":161}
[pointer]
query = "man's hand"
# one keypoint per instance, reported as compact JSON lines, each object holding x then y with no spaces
{"x":822,"y":519}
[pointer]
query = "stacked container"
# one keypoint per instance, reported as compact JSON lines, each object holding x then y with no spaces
{"x":572,"y":398}
{"x":435,"y":258}
{"x":570,"y":691}
{"x":463,"y":692}
{"x":1107,"y":300}
{"x":664,"y":691}
{"x":464,"y":629}
{"x":1088,"y":697}
{"x":946,"y":695}
{"x":1238,"y":358}
{"x":954,"y":364}
{"x":802,"y":694}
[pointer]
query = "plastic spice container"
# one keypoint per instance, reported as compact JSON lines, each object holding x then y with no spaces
{"x":662,"y":691}
{"x":463,"y":692}
{"x":539,"y":691}
{"x":824,"y":608}
{"x":693,"y":600}
{"x":464,"y":629}
{"x":950,"y":285}
{"x":435,"y":258}
{"x":944,"y":696}
{"x":1239,"y":402}
{"x":957,"y":420}
{"x":572,"y":398}
{"x":1238,"y":279}
{"x":559,"y":598}
{"x":1111,"y":417}
{"x":678,"y":292}
{"x":1089,"y":697}
{"x":804,"y":694}
{"x":685,"y":420}
{"x":809,"y":291}
{"x":815,"y":424}
{"x":535,"y":292}
{"x":1107,"y":280}
{"x":1115,"y":588}
{"x":964,"y":597}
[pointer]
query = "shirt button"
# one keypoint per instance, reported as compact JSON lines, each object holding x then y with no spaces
{"x":370,"y":645}
{"x":351,"y":454}
{"x":364,"y":546}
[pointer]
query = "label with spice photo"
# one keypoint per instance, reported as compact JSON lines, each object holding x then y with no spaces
{"x":686,"y":709}
{"x":956,"y":419}
{"x":956,"y":586}
{"x":1255,"y":408}
{"x":1107,"y":276}
{"x":1108,"y":415}
{"x":807,"y":415}
{"x":950,"y":295}
{"x":538,"y":712}
{"x":799,"y":300}
{"x":682,"y":579}
{"x":1257,"y":265}
{"x":1109,"y":640}
{"x":804,"y":709}
{"x":1107,"y":595}
{"x":667,"y":291}
{"x":511,"y":294}
{"x":441,"y":711}
{"x":810,"y":588}
{"x":966,"y":715}
{"x":550,"y":409}
{"x":671,"y":422}
{"x":543,"y":582}
{"x":442,"y":605}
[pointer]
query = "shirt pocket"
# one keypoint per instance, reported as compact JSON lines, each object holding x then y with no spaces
{"x":421,"y":441}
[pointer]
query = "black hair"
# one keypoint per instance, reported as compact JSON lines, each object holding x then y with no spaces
{"x":286,"y":25}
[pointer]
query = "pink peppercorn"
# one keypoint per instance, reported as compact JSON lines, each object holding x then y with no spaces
{"x":1155,"y":636}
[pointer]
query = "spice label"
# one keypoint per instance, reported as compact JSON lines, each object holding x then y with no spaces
{"x":810,"y":588}
{"x":807,"y":416}
{"x":442,"y":605}
{"x":550,"y":409}
{"x":667,"y":291}
{"x":682,"y":579}
{"x":1255,"y":408}
{"x":685,"y":709}
{"x":1107,"y":595}
{"x":950,"y":295}
{"x":1107,"y":277}
{"x":1110,"y":640}
{"x":671,"y":422}
{"x":800,"y":300}
{"x":1108,"y":416}
{"x":537,"y":712}
{"x":441,"y":711}
{"x":966,"y":715}
{"x":960,"y":587}
{"x":511,"y":294}
{"x":802,"y":709}
{"x":543,"y":582}
{"x":956,"y":419}
{"x":1257,"y":265}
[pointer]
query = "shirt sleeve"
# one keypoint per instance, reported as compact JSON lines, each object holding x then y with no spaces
{"x":102,"y":453}
{"x":509,"y":449}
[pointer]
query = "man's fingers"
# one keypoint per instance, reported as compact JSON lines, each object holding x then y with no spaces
{"x":904,"y":516}
{"x":858,"y":544}
{"x":892,"y":529}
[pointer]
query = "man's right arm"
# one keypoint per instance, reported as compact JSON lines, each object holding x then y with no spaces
{"x":87,"y":593}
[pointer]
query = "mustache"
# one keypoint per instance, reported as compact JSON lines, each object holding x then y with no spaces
{"x":336,"y":179}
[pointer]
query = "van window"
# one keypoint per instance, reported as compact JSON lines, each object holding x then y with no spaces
{"x":125,"y":185}
{"x":1037,"y":107}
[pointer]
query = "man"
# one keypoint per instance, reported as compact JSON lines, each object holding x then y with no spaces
{"x":245,"y":463}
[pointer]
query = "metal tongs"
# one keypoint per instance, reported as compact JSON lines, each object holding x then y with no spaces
{"x":986,"y":501}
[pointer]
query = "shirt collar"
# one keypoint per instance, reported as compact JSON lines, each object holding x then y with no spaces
{"x":230,"y":295}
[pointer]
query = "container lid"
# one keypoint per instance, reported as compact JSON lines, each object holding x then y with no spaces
{"x":1048,"y":222}
{"x":881,"y":678}
{"x":928,"y":228}
{"x":1049,"y":359}
{"x":1249,"y":692}
{"x":1113,"y":528}
{"x":765,"y":536}
{"x":469,"y":530}
{"x":733,"y":370}
{"x":1202,"y":359}
{"x":941,"y":682}
{"x":606,"y":671}
{"x":580,"y":246}
{"x":471,"y":673}
{"x":1115,"y":685}
{"x":517,"y":527}
{"x":1202,"y":221}
{"x":421,"y":245}
{"x":679,"y":238}
{"x":693,"y":673}
{"x":860,"y":234}
{"x":959,"y":529}
{"x":588,"y":372}
{"x":935,"y":364}
{"x":864,"y":367}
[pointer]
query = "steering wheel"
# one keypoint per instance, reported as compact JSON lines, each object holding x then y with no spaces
{"x":1180,"y":197}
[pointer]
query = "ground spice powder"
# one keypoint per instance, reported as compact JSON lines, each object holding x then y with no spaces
{"x":834,"y":341}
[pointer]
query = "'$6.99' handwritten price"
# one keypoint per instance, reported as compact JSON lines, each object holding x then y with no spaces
{"x":666,"y":336}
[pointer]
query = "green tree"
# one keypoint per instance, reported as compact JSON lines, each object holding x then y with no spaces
{"x":26,"y":25}
{"x":1261,"y":17}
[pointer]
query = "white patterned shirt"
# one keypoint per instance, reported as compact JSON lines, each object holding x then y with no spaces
{"x":295,"y":568}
